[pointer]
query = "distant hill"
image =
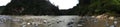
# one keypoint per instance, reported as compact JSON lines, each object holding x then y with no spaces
{"x":30,"y":7}
{"x":43,"y":7}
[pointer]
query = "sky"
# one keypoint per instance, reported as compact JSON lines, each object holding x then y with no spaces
{"x":65,"y":4}
{"x":4,"y":2}
{"x":62,"y":4}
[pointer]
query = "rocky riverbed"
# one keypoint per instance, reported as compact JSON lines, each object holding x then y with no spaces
{"x":58,"y":21}
{"x":42,"y":21}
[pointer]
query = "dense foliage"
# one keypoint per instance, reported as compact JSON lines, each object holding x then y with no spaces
{"x":97,"y":7}
{"x":1,"y":8}
{"x":43,"y":7}
{"x":30,"y":7}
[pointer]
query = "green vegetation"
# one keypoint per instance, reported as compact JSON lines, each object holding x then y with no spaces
{"x":30,"y":7}
{"x":1,"y":8}
{"x":42,"y":7}
{"x":97,"y":7}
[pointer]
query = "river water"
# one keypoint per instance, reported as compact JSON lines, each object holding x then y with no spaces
{"x":57,"y":21}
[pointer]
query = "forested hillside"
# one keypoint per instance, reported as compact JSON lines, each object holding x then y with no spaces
{"x":43,"y":7}
{"x":97,"y":7}
{"x":1,"y":8}
{"x":30,"y":7}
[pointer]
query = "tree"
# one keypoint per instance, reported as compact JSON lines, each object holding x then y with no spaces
{"x":96,"y":7}
{"x":30,"y":7}
{"x":1,"y":8}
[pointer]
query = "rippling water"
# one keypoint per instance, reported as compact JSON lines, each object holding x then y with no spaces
{"x":57,"y":21}
{"x":40,"y":21}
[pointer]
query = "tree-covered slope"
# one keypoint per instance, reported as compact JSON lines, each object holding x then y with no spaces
{"x":30,"y":7}
{"x":1,"y":8}
{"x":97,"y":7}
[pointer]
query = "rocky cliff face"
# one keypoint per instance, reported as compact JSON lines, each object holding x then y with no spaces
{"x":30,"y":7}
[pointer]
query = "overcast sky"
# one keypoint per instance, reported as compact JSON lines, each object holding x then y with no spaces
{"x":62,"y":4}
{"x":65,"y":4}
{"x":4,"y":2}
